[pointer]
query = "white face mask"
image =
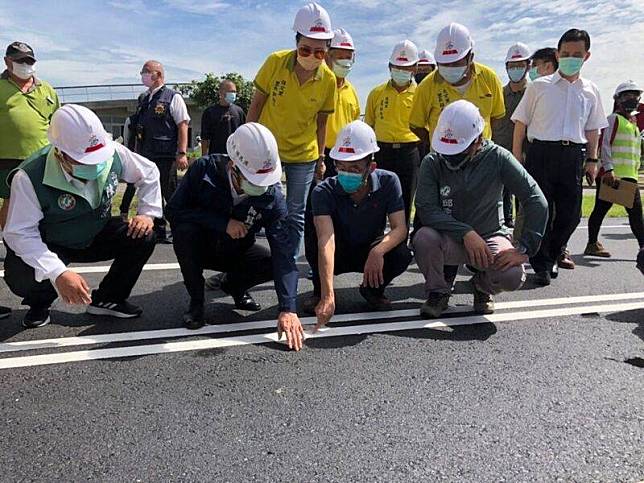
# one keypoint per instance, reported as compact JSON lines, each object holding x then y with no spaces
{"x":23,"y":71}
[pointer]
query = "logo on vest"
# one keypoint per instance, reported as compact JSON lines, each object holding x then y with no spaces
{"x":159,"y":109}
{"x":445,"y":191}
{"x":66,"y":202}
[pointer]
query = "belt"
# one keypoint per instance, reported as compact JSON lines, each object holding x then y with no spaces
{"x":398,"y":145}
{"x":558,"y":143}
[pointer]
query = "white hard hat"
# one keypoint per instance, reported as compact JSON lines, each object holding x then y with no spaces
{"x":629,"y":85}
{"x":342,"y":40}
{"x":453,"y":43}
{"x":518,"y":52}
{"x":405,"y":53}
{"x":79,"y":133}
{"x":313,"y":21}
{"x":253,"y":149}
{"x":356,"y":140}
{"x":459,"y":125}
{"x":426,"y":57}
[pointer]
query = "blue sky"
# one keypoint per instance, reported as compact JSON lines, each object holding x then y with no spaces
{"x":94,"y":42}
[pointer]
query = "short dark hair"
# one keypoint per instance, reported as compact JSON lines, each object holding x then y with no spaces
{"x":575,"y":35}
{"x":547,"y":54}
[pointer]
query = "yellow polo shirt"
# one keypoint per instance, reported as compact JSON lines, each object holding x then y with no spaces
{"x":24,"y":117}
{"x":433,"y":94}
{"x":388,"y":111}
{"x":291,"y":110}
{"x":347,"y":109}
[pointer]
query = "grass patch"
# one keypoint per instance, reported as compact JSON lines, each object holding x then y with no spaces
{"x":588,"y":203}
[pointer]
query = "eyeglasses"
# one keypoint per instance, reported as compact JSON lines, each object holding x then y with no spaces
{"x":24,"y":60}
{"x":306,"y":51}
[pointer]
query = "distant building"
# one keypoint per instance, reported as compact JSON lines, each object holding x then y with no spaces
{"x":113,"y":103}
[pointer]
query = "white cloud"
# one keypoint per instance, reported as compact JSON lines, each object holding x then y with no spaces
{"x":89,"y":41}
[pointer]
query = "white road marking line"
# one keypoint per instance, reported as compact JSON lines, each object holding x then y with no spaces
{"x":268,"y":324}
{"x":105,"y":268}
{"x":182,"y":346}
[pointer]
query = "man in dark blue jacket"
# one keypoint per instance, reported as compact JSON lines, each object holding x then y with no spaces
{"x":221,"y":203}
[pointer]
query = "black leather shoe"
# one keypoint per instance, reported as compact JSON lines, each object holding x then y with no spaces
{"x":246,"y":302}
{"x":193,"y":319}
{"x":243,"y":301}
{"x":542,"y":279}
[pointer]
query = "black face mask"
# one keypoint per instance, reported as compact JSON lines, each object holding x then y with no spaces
{"x":629,"y":104}
{"x":420,"y":76}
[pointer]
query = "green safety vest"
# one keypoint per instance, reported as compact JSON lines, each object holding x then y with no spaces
{"x":626,"y":149}
{"x":69,"y":220}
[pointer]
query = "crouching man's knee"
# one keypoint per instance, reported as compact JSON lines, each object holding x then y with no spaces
{"x":509,"y":280}
{"x":427,"y":239}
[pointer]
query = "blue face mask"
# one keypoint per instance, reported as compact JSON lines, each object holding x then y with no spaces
{"x":452,"y":75}
{"x":516,"y":74}
{"x":230,"y":97}
{"x":351,"y":182}
{"x":88,"y":172}
{"x":534,"y":74}
{"x":570,"y":65}
{"x":342,"y":67}
{"x":400,"y":77}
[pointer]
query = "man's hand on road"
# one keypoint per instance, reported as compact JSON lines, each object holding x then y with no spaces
{"x":289,"y":323}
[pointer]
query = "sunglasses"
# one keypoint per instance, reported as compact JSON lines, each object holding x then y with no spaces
{"x":306,"y":51}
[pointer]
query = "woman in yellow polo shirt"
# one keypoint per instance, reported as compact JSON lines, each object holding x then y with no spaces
{"x":387,"y":112}
{"x":295,"y":92}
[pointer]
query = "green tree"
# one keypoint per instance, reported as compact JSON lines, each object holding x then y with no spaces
{"x":206,"y":92}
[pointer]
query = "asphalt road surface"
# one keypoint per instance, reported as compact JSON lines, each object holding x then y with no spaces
{"x":549,"y":388}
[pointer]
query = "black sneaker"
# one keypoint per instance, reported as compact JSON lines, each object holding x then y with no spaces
{"x":193,"y":319}
{"x":4,"y":312}
{"x":36,"y":317}
{"x":122,"y":310}
{"x":542,"y":279}
{"x":435,"y":305}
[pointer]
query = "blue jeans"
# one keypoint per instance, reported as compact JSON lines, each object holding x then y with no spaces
{"x":299,"y":177}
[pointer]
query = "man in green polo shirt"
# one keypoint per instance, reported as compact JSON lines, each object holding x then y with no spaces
{"x":26,"y":106}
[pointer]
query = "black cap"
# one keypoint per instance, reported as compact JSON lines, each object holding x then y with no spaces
{"x":20,"y":50}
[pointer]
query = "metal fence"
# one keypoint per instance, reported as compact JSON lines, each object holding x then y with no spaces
{"x":105,"y":92}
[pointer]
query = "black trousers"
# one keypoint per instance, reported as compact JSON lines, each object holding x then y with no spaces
{"x":558,"y":170}
{"x":245,"y":262}
{"x":168,"y":179}
{"x":351,"y":258}
{"x":112,"y":243}
{"x":602,"y":207}
{"x":404,"y":161}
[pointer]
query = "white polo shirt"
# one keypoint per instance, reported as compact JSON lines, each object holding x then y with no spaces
{"x":178,"y":108}
{"x":555,"y":109}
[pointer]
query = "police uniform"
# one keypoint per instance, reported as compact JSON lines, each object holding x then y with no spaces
{"x":158,"y":114}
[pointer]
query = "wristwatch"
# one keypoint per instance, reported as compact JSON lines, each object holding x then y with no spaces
{"x":592,"y":160}
{"x":181,"y":153}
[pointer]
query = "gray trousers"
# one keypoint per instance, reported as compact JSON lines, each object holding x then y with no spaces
{"x":433,"y":250}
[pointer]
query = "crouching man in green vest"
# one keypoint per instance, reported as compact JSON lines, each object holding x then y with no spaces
{"x":60,"y":212}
